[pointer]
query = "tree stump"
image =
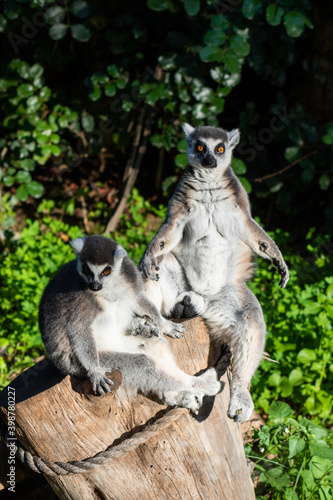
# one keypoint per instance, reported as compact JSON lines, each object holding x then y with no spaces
{"x":197,"y":457}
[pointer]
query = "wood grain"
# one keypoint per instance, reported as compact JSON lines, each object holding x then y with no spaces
{"x":198,"y":457}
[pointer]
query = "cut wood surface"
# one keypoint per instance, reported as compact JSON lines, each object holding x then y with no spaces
{"x":198,"y":457}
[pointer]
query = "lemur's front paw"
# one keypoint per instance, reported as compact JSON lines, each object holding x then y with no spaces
{"x":100,"y":383}
{"x":174,"y":330}
{"x":187,"y":399}
{"x":149,"y":267}
{"x":184,"y":309}
{"x":282,"y":269}
{"x":208,"y":382}
{"x":143,"y":327}
{"x":240,"y":406}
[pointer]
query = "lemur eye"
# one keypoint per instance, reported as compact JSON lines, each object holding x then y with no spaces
{"x":86,"y":269}
{"x":200,"y":148}
{"x":221,"y":149}
{"x":106,"y":271}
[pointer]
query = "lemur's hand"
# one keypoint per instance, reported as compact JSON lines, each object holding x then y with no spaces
{"x":282,"y":269}
{"x":149,"y":267}
{"x":173,"y":330}
{"x":278,"y":262}
{"x":100,"y":382}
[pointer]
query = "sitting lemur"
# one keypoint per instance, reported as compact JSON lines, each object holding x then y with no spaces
{"x":199,"y":261}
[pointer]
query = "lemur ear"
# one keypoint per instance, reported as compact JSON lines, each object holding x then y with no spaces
{"x":77,"y":245}
{"x":187,"y":129}
{"x":233,"y":138}
{"x":119,"y":253}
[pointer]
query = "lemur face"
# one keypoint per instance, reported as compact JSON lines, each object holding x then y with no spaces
{"x":210,"y":147}
{"x":96,"y":276}
{"x":98,"y":260}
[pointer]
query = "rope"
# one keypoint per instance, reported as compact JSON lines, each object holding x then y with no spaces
{"x":102,"y":458}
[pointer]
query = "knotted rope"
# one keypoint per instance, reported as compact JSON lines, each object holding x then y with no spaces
{"x":39,"y":465}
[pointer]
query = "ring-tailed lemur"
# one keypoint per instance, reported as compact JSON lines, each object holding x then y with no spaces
{"x":204,"y":255}
{"x":92,"y":320}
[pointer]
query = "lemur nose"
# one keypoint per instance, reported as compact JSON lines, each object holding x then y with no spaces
{"x":95,"y":286}
{"x":209,"y":161}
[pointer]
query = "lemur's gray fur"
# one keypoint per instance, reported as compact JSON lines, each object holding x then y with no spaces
{"x":202,"y":256}
{"x":95,"y":317}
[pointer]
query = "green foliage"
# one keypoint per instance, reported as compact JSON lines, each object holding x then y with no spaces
{"x":26,"y":267}
{"x":133,"y":232}
{"x":109,"y":61}
{"x":32,"y":128}
{"x":299,"y":323}
{"x":294,"y":457}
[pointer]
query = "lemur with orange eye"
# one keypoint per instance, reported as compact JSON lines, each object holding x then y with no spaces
{"x":93,"y":317}
{"x":199,"y":261}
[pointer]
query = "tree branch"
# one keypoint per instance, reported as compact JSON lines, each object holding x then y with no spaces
{"x":260,"y":179}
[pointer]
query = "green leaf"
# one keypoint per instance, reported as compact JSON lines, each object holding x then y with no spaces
{"x":58,"y":31}
{"x":203,"y":94}
{"x":296,"y":377}
{"x":216,"y":105}
{"x":35,"y":189}
{"x":8,"y":180}
{"x":296,"y":445}
{"x":25,"y":90}
{"x":219,"y":22}
{"x":274,"y":14}
{"x":22,"y":192}
{"x":23,"y":176}
{"x":246,"y":185}
{"x":88,"y":123}
{"x":110,"y":89}
{"x":294,"y":23}
{"x":240,"y":45}
{"x":286,"y":387}
{"x":181,"y":160}
{"x":306,"y":356}
{"x":55,"y":14}
{"x":250,"y":7}
{"x":80,"y":32}
{"x":192,"y":7}
{"x":291,"y":153}
{"x":264,"y":435}
{"x":80,"y":9}
{"x":182,"y":146}
{"x":231,"y":62}
{"x":27,"y":164}
{"x":321,"y":450}
{"x":113,"y":71}
{"x":158,"y":5}
{"x":3,"y":24}
{"x":291,"y":494}
{"x":11,"y":9}
{"x":328,"y":139}
{"x":319,"y":466}
{"x":324,"y":182}
{"x":36,"y":70}
{"x":238,"y":166}
{"x":279,"y":410}
{"x":33,"y":103}
{"x":210,"y":54}
{"x":215,"y":37}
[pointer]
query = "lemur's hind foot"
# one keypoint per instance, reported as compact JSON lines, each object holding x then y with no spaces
{"x":240,"y":406}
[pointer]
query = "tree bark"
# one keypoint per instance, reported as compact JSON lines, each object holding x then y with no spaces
{"x":198,"y":457}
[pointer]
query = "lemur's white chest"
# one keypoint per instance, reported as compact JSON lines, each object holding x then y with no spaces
{"x":210,"y":244}
{"x":110,"y":325}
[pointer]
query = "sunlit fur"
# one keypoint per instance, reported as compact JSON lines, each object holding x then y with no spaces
{"x":204,"y":252}
{"x":92,"y":323}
